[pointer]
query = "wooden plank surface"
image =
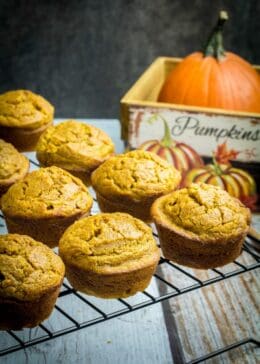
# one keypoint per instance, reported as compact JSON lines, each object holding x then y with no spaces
{"x":135,"y":338}
{"x":202,"y":321}
{"x":218,"y":315}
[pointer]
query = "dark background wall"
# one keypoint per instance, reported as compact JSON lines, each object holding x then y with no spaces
{"x":84,"y":55}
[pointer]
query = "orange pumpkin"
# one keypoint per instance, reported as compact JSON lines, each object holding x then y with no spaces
{"x":236,"y":181}
{"x":214,"y":78}
{"x":180,"y":155}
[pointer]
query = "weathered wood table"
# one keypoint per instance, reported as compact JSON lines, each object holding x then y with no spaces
{"x":183,"y":315}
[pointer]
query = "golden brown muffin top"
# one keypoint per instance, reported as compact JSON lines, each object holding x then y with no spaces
{"x":137,"y":174}
{"x":204,"y":211}
{"x":13,"y":164}
{"x":28,"y":268}
{"x":108,"y":242}
{"x":74,"y":146}
{"x":47,"y":192}
{"x":24,"y":109}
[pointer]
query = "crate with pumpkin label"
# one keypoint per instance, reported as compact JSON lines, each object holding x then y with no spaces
{"x":202,"y":114}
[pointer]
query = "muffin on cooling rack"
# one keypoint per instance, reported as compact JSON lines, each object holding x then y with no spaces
{"x":77,"y":147}
{"x":13,"y":166}
{"x":23,"y":118}
{"x":130,"y":182}
{"x":30,"y":278}
{"x":201,"y":226}
{"x":109,"y":255}
{"x":45,"y":203}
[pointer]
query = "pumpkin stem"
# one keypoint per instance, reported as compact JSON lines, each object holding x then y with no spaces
{"x":167,"y":139}
{"x":216,"y":166}
{"x":214,"y":46}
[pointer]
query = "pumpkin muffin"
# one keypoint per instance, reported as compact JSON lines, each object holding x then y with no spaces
{"x":109,"y":255}
{"x":131,"y":182}
{"x":45,"y":203}
{"x":77,"y":147}
{"x":13,"y":166}
{"x":201,"y":226}
{"x":30,"y":278}
{"x":23,"y":118}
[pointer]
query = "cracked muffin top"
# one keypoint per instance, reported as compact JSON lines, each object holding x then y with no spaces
{"x":28,"y":268}
{"x":203,"y":211}
{"x":13,"y":165}
{"x":47,"y":192}
{"x":74,"y":145}
{"x":109,"y":242}
{"x":137,"y":174}
{"x":24,"y":109}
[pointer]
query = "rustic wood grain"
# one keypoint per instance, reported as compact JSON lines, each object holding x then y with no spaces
{"x":139,"y":337}
{"x":218,"y":315}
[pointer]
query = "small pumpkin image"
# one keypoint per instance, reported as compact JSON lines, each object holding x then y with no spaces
{"x":214,"y":78}
{"x":180,"y":155}
{"x":238,"y":182}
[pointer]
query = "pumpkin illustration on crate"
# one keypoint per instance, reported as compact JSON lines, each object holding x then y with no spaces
{"x":182,"y":156}
{"x":238,"y":182}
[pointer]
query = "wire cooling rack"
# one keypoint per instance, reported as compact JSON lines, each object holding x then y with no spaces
{"x":65,"y":319}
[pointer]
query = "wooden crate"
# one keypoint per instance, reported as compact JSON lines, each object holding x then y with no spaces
{"x":204,"y":129}
{"x":139,"y":104}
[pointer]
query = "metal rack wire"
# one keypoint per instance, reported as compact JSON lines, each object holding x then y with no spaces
{"x":98,"y":310}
